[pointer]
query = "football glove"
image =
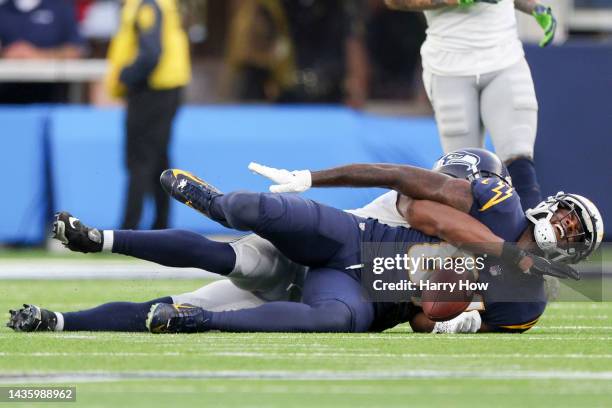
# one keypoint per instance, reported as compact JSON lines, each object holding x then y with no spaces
{"x":466,"y":322}
{"x":547,"y":21}
{"x":543,"y":266}
{"x":286,"y":181}
{"x":514,"y":255}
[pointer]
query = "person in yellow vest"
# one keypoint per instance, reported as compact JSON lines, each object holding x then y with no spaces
{"x":149,"y":64}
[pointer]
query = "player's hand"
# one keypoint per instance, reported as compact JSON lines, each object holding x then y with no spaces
{"x":466,"y":322}
{"x":543,"y":266}
{"x":530,"y":263}
{"x":547,"y":21}
{"x":286,"y":181}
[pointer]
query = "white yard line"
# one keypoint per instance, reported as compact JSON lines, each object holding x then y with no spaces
{"x":310,"y":355}
{"x":319,"y":375}
{"x":100,"y":269}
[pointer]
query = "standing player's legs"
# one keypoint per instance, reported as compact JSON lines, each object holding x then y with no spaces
{"x":333,"y":301}
{"x":456,"y":105}
{"x":510,"y":113}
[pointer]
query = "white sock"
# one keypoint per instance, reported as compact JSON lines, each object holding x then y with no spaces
{"x":59,"y":326}
{"x":109,"y":238}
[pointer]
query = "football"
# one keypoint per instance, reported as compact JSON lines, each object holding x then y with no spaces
{"x":445,"y":297}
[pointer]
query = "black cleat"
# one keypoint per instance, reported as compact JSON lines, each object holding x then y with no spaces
{"x":75,"y":235}
{"x":32,"y":318}
{"x":167,"y":318}
{"x":189,"y":189}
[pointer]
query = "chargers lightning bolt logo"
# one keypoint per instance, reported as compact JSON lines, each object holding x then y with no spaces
{"x":499,"y":195}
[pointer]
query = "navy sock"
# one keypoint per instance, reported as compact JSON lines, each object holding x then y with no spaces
{"x":177,"y":248}
{"x":116,"y":316}
{"x":525,"y":182}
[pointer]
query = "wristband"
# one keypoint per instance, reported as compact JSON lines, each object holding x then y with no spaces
{"x":512,"y":254}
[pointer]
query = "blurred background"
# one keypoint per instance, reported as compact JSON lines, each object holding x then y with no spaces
{"x":288,"y":83}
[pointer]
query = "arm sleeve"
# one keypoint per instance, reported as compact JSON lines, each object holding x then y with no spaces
{"x":148,"y":26}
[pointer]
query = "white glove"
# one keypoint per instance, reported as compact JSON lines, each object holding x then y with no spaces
{"x":286,"y":181}
{"x":466,"y":322}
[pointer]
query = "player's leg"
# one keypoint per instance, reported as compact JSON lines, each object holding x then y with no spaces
{"x":262,"y":269}
{"x":456,"y":105}
{"x":177,"y":248}
{"x":130,"y":316}
{"x":174,"y":248}
{"x":333,"y":302}
{"x":510,"y":113}
{"x":253,"y":263}
{"x":114,"y":316}
{"x":219,"y":296}
{"x":305,"y":231}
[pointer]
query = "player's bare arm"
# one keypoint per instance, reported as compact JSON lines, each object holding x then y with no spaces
{"x":459,"y":229}
{"x":452,"y":226}
{"x":415,"y":182}
{"x":418,"y":5}
{"x":420,"y":184}
{"x":526,"y":6}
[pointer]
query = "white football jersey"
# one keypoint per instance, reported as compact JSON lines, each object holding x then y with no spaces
{"x":384,"y":209}
{"x":472,"y":40}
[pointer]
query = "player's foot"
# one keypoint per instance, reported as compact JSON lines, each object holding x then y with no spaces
{"x":189,"y":189}
{"x":32,"y":318}
{"x":75,"y":235}
{"x":167,"y":318}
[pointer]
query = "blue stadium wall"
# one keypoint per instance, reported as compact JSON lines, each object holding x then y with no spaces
{"x":72,"y":158}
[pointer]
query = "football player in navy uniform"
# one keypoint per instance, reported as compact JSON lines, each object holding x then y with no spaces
{"x":388,"y":314}
{"x":329,"y":240}
{"x":566,"y":227}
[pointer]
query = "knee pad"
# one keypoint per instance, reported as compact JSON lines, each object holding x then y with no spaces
{"x":264,"y":270}
{"x":241,"y":209}
{"x":334,"y":316}
{"x":518,"y":144}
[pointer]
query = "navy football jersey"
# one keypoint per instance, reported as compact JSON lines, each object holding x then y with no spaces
{"x":513,"y":301}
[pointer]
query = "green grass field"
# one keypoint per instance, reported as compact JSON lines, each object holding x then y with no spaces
{"x":566,"y":361}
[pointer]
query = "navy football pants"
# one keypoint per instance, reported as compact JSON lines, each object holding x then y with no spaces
{"x":312,"y":234}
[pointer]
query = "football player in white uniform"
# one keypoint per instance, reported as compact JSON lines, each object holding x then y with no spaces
{"x":476,"y":77}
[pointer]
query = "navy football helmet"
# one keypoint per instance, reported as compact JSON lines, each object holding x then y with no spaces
{"x":472,"y":163}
